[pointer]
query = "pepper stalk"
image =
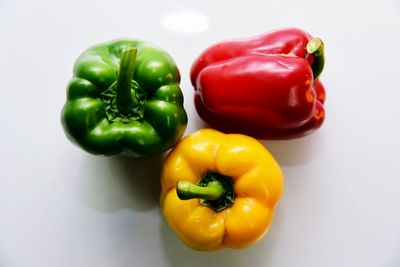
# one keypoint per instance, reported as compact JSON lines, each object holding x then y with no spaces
{"x":213,"y":190}
{"x":126,"y":101}
{"x":315,"y":48}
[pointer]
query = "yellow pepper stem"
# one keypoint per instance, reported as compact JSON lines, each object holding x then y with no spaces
{"x":214,"y":190}
{"x":187,"y":190}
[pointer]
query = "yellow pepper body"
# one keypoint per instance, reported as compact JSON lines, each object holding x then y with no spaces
{"x":257,"y":185}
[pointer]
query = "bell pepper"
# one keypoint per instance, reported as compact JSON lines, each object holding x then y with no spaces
{"x":265,"y":86}
{"x":220,"y":190}
{"x":124,"y":97}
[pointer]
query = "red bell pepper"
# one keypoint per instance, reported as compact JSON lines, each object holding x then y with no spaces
{"x":265,"y":86}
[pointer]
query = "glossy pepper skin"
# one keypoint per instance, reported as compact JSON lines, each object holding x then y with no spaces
{"x":235,"y":218}
{"x":265,"y":86}
{"x":124,"y":97}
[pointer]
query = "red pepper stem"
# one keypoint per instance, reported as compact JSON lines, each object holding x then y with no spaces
{"x":187,"y":190}
{"x":126,"y":101}
{"x":315,"y":48}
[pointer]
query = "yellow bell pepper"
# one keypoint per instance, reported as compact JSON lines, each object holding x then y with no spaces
{"x":220,"y":190}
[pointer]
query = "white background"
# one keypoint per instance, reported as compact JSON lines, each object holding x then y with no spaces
{"x":60,"y":206}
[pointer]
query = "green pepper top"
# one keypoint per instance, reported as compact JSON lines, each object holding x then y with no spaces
{"x":124,"y":97}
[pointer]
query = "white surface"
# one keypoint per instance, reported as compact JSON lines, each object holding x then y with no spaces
{"x":62,"y":207}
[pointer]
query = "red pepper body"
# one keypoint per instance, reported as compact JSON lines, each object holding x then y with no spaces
{"x":262,"y":86}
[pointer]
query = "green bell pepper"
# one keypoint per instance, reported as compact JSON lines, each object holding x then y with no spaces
{"x":124,"y":97}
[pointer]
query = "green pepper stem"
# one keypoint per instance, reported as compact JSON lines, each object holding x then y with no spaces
{"x":125,"y":99}
{"x":315,"y":47}
{"x":187,"y":190}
